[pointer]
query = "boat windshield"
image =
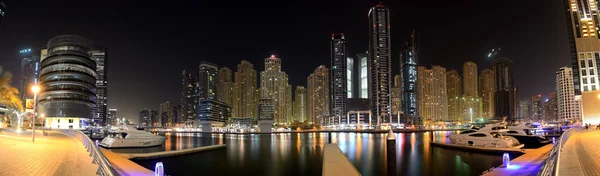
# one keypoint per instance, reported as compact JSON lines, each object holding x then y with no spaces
{"x":496,"y":135}
{"x":528,"y":132}
{"x":122,"y":135}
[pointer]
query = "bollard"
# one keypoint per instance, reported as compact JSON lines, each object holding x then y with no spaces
{"x":505,"y":160}
{"x":391,"y":153}
{"x":431,"y":136}
{"x":159,"y":169}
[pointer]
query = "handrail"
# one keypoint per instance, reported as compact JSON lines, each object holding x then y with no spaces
{"x":104,"y":167}
{"x":551,"y":164}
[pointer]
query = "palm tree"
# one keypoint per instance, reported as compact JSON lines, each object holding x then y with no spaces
{"x":9,"y":95}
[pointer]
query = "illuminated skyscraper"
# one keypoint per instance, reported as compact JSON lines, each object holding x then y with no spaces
{"x":351,"y":78}
{"x":381,"y":63}
{"x":454,"y":94}
{"x":568,"y":107}
{"x":276,"y":82}
{"x":524,"y":109}
{"x":409,"y":77}
{"x":338,"y":78}
{"x":165,"y":112}
{"x":395,"y":96}
{"x":470,"y":87}
{"x":536,"y":108}
{"x":363,"y":75}
{"x":301,"y":104}
{"x":549,"y":110}
{"x":225,"y":86}
{"x":30,"y":66}
{"x":486,"y":92}
{"x":100,"y":55}
{"x":189,"y":98}
{"x":68,"y":77}
{"x":318,"y":96}
{"x":207,"y":81}
{"x":148,"y":118}
{"x":505,"y":96}
{"x":583,"y":23}
{"x":433,"y":100}
{"x":246,"y":101}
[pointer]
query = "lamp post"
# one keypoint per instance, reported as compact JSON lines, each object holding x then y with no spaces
{"x":35,"y":89}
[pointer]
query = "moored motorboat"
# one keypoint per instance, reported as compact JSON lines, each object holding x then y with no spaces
{"x":479,"y":138}
{"x":130,"y":137}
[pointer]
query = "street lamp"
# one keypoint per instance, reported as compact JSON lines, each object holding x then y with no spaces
{"x":35,"y":89}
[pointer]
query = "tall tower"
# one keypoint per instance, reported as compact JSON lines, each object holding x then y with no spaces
{"x":30,"y":67}
{"x":524,"y":109}
{"x":276,"y":82}
{"x":338,"y":78}
{"x":395,"y":96}
{"x":454,"y":94}
{"x":381,"y":63}
{"x":165,"y":112}
{"x":318,"y":96}
{"x":225,"y":86}
{"x":505,"y":100}
{"x":568,"y":107}
{"x":536,"y":108}
{"x":433,"y":103}
{"x":67,"y":104}
{"x":246,"y":101}
{"x":582,"y":26}
{"x":189,"y":98}
{"x":301,"y":103}
{"x":470,"y":79}
{"x":409,"y":77}
{"x":100,"y":55}
{"x":486,"y":92}
{"x":207,"y":81}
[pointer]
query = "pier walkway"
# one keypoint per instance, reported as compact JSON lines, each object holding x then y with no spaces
{"x":580,"y":154}
{"x":55,"y":154}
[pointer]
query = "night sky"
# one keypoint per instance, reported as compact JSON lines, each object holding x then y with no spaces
{"x":151,"y":43}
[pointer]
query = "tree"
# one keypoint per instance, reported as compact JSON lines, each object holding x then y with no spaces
{"x":9,"y":95}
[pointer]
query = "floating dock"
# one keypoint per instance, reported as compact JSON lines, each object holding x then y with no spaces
{"x":170,"y":153}
{"x":526,"y":164}
{"x":480,"y":149}
{"x":336,"y":163}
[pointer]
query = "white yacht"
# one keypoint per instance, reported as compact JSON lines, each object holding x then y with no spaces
{"x":131,"y":137}
{"x":523,"y":133}
{"x":491,"y":139}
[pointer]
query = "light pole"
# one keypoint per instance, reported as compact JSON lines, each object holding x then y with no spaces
{"x":35,"y":89}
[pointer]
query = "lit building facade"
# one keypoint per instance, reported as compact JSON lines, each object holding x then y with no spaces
{"x":486,"y":92}
{"x":351,"y":78}
{"x":433,"y":99}
{"x":111,"y":117}
{"x":207,"y":81}
{"x":409,"y":77}
{"x":454,"y":94}
{"x":148,"y":118}
{"x":68,"y":77}
{"x":505,"y":91}
{"x":318,"y":95}
{"x":30,"y":67}
{"x":381,"y":63}
{"x":536,"y":108}
{"x":395,"y":96}
{"x":470,"y":87}
{"x":245,"y":98}
{"x":338,"y":87}
{"x":100,"y":55}
{"x":225,"y":86}
{"x":549,"y":109}
{"x":362,"y":77}
{"x":300,"y":104}
{"x":582,"y":27}
{"x":213,"y":113}
{"x":524,"y":110}
{"x":567,"y":106}
{"x":189,"y":98}
{"x":165,"y":112}
{"x":276,"y":82}
{"x":266,"y":111}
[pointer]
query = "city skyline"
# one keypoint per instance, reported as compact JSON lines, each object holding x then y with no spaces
{"x":132,"y":57}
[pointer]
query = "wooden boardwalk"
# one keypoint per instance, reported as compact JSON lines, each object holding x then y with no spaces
{"x":336,"y":163}
{"x":581,"y":154}
{"x":527,"y":164}
{"x":55,"y":154}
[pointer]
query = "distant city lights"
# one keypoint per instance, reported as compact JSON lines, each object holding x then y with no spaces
{"x":25,"y":51}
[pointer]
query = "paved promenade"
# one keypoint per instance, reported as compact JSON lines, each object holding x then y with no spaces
{"x":55,"y":154}
{"x":581,"y":154}
{"x":528,"y":164}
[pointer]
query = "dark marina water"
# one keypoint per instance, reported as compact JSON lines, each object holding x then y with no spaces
{"x":299,"y":154}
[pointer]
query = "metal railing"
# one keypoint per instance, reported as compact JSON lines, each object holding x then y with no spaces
{"x":551,"y":164}
{"x":104,"y":167}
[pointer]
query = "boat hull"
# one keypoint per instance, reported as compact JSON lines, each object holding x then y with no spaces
{"x":131,"y":143}
{"x":530,"y":141}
